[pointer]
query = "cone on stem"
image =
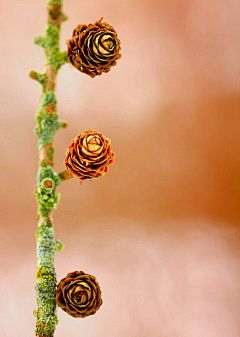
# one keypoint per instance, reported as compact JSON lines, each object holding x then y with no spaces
{"x":79,"y":294}
{"x":89,"y":155}
{"x":94,"y":48}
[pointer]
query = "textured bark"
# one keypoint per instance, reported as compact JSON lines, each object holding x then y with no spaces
{"x":47,"y":125}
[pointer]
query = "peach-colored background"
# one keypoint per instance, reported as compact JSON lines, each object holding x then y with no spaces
{"x":160,"y":231}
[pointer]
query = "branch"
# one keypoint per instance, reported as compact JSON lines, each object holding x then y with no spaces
{"x":41,"y":78}
{"x":64,"y":175}
{"x":47,"y":179}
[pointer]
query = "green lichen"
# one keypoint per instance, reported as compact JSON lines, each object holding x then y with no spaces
{"x":41,"y":77}
{"x":46,"y":281}
{"x":39,"y":41}
{"x":50,"y":42}
{"x":48,"y":173}
{"x":47,"y":179}
{"x":47,"y":124}
{"x":54,"y":56}
{"x":46,"y":197}
{"x":43,"y":163}
{"x":39,"y":118}
{"x":52,"y":37}
{"x":62,"y":124}
{"x":50,"y":153}
{"x":57,"y":58}
{"x":51,"y":2}
{"x":48,"y":98}
{"x":47,"y":129}
{"x":59,"y":245}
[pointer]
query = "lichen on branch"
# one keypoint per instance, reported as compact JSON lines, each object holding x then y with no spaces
{"x":46,"y":280}
{"x":47,"y":179}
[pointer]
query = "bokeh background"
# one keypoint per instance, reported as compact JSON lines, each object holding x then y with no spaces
{"x":161,"y":230}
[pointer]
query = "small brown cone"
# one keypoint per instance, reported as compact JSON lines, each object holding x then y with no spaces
{"x":94,"y":48}
{"x":79,"y":294}
{"x":89,"y":155}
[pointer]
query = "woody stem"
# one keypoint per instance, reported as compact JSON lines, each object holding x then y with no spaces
{"x":47,"y":179}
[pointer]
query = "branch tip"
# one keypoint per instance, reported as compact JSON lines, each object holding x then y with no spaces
{"x":64,"y":17}
{"x":33,"y":74}
{"x":65,"y":175}
{"x":41,"y":78}
{"x":62,"y":124}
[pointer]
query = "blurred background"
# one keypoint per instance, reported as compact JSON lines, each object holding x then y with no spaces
{"x":161,"y":230}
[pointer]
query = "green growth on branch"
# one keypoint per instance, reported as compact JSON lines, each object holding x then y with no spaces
{"x":59,"y":245}
{"x":47,"y":181}
{"x":47,"y":123}
{"x":49,"y":42}
{"x":46,"y":281}
{"x":51,"y":2}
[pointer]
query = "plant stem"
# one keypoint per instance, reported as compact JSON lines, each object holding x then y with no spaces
{"x":47,"y":179}
{"x":65,"y":175}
